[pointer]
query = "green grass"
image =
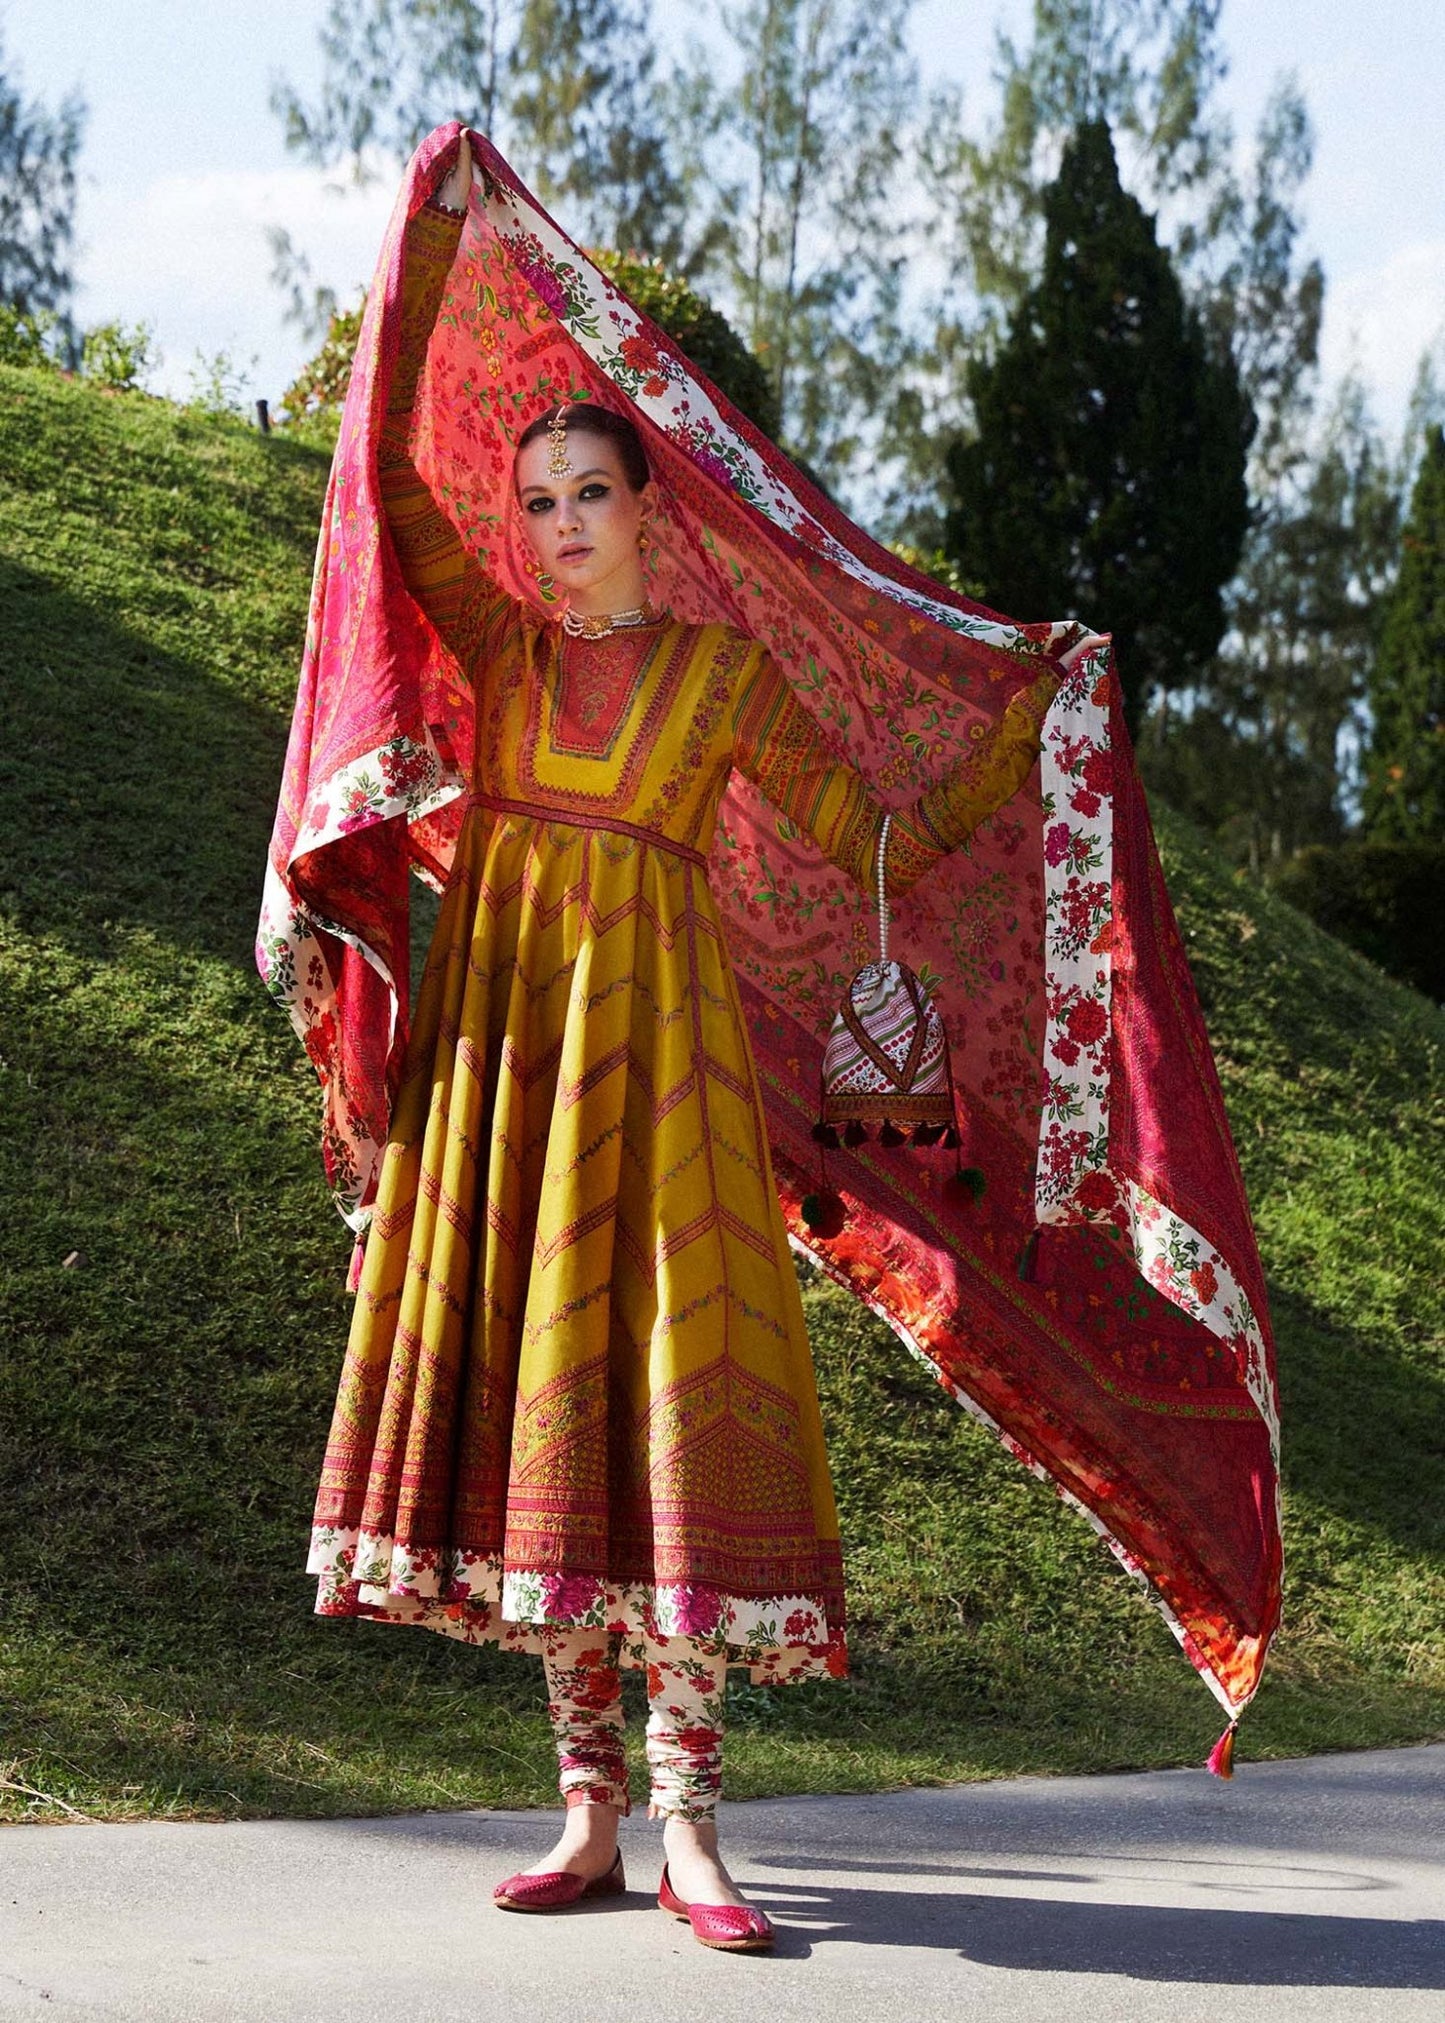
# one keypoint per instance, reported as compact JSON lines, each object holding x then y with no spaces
{"x":164,"y":1402}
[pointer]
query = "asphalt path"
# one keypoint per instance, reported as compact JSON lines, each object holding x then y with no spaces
{"x":1300,"y":1892}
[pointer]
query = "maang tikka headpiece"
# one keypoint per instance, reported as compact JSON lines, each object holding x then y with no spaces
{"x":559,"y":464}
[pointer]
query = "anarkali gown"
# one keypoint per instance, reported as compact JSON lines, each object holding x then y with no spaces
{"x":578,"y":1388}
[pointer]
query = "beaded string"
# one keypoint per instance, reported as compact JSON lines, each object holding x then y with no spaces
{"x":883,"y":888}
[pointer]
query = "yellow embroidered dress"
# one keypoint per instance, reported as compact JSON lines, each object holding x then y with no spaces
{"x":578,"y":1387}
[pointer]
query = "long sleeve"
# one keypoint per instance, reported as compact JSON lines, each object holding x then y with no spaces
{"x":779,"y":748}
{"x":443,"y":577}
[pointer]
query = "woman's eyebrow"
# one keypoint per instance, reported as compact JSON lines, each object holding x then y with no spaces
{"x":595,"y":472}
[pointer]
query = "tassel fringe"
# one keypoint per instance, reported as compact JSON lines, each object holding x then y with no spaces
{"x":358,"y":1258}
{"x":823,"y":1212}
{"x":1221,"y":1756}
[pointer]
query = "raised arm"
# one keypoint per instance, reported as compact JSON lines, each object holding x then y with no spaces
{"x":443,"y":577}
{"x":778,"y":747}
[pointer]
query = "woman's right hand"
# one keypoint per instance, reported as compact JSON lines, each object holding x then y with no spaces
{"x":458,"y":185}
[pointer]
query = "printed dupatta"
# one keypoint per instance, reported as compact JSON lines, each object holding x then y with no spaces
{"x":1102,"y":1306}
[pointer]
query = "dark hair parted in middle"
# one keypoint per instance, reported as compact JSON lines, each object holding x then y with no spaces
{"x":587,"y":417}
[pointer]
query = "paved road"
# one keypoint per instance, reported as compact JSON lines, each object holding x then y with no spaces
{"x":1300,"y":1892}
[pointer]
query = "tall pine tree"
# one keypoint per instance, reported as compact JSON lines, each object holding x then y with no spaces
{"x":1405,"y":781}
{"x":1106,"y":477}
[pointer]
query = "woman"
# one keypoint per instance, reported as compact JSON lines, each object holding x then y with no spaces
{"x":578,"y":1382}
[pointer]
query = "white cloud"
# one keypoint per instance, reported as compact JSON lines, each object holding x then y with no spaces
{"x":1382,"y":318}
{"x":190,"y":256}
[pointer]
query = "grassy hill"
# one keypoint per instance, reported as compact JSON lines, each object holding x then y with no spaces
{"x":163,"y":1401}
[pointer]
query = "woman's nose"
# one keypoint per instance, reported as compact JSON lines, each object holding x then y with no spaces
{"x":568,"y":515}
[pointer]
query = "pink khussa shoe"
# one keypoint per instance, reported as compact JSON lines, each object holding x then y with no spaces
{"x":558,"y":1889}
{"x":727,"y":1928}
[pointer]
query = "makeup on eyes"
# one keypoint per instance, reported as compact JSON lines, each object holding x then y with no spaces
{"x":586,"y":496}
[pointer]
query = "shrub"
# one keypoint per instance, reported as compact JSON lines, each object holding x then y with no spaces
{"x":218,"y":384}
{"x":27,"y":336}
{"x":1382,"y":898}
{"x":701,"y":332}
{"x":318,"y":391}
{"x":118,"y":355}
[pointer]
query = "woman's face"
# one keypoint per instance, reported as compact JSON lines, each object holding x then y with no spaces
{"x":584,"y":528}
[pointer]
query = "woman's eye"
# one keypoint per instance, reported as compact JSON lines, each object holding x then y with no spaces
{"x":538,"y":505}
{"x":594,"y":492}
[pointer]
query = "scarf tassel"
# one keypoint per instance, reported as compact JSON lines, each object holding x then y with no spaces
{"x":358,"y":1258}
{"x":823,"y":1212}
{"x":1221,"y":1756}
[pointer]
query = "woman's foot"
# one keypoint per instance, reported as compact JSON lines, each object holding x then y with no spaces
{"x":694,"y":1865}
{"x":588,"y":1846}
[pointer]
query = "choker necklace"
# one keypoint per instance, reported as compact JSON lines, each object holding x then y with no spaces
{"x":580,"y":626}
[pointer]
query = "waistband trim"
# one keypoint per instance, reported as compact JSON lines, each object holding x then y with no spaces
{"x":570,"y":818}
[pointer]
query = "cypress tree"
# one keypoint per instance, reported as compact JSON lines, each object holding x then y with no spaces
{"x":1404,"y":798}
{"x":1107,"y":476}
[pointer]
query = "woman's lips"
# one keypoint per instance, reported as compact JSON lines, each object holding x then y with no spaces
{"x":573,"y":554}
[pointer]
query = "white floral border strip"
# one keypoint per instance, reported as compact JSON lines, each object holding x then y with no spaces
{"x":1073,"y":1181}
{"x":401,"y":777}
{"x":1075,"y":766}
{"x":1178,"y":1262}
{"x":473,"y":1597}
{"x":1035,"y":1467}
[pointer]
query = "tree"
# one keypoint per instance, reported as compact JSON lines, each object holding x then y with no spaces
{"x":38,"y":151}
{"x":1404,"y":798}
{"x":791,"y":171}
{"x":1264,"y":752}
{"x":1106,"y":477}
{"x":563,"y":87}
{"x":1148,"y":68}
{"x":1152,"y":70}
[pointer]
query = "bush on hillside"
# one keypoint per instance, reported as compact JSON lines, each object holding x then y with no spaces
{"x":118,"y":355}
{"x":318,"y":391}
{"x":702,"y":333}
{"x":27,"y":337}
{"x":1381,"y":898}
{"x":113,"y":355}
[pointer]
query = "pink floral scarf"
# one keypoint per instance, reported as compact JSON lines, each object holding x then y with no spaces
{"x":1102,"y":1307}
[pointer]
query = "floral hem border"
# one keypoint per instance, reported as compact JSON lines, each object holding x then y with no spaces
{"x":473,"y":1597}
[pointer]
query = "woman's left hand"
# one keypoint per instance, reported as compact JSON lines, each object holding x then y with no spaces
{"x":1080,"y":647}
{"x":458,"y":185}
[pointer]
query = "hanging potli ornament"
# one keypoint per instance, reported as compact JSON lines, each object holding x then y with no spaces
{"x":885,"y":1072}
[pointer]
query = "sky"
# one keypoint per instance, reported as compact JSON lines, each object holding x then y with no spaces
{"x":184,"y":166}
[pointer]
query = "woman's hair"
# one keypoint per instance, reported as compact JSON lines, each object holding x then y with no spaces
{"x":598,"y":421}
